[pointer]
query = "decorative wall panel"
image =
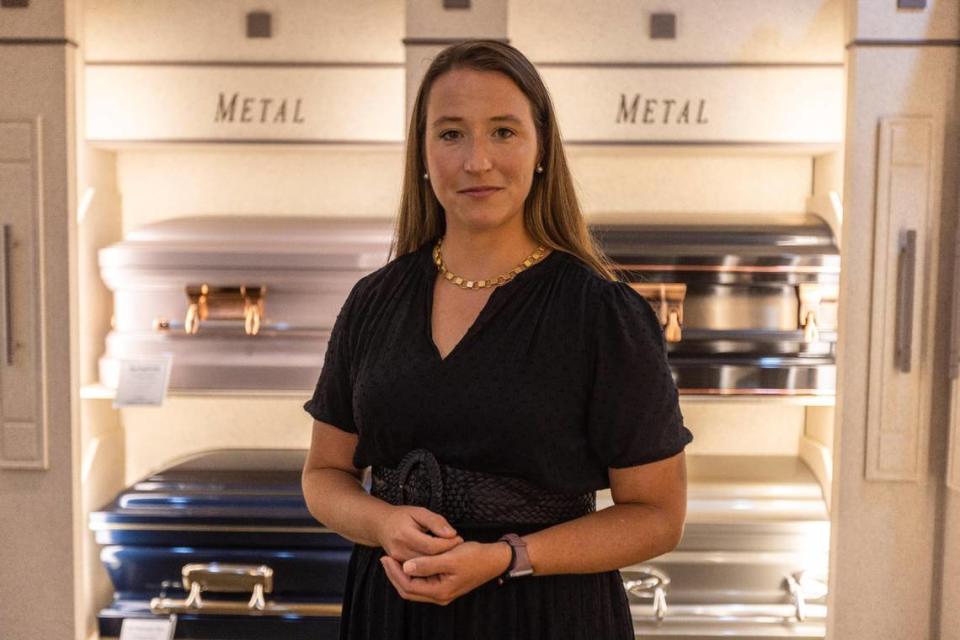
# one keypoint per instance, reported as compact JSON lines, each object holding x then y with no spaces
{"x":901,"y":236}
{"x":23,"y":437}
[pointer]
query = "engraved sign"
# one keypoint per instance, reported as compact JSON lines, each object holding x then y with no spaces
{"x":209,"y":104}
{"x":659,"y":110}
{"x":706,"y":104}
{"x":789,"y":104}
{"x":272,"y":110}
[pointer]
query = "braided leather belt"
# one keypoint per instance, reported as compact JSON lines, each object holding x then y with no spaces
{"x":473,"y":497}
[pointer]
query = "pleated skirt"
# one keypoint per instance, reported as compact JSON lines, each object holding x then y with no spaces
{"x":559,"y":607}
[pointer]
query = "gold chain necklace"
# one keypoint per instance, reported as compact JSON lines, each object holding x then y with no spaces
{"x":463,"y":283}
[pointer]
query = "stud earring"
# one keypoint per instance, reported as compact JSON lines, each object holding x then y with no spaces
{"x":539,"y":168}
{"x":426,"y":176}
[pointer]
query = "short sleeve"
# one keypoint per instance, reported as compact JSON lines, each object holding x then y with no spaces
{"x":332,"y":400}
{"x":634,"y":412}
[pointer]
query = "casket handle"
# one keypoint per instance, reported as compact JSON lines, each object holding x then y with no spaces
{"x":666,"y":298}
{"x":206,"y":302}
{"x":650,"y":583}
{"x":200,"y":578}
{"x":813,"y":297}
{"x":802,"y":585}
{"x":227,"y":578}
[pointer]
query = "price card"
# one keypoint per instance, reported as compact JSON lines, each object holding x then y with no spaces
{"x":143,"y":381}
{"x":148,"y":628}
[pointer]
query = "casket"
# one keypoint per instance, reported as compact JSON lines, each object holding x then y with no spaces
{"x":748,"y":304}
{"x":224,"y":540}
{"x":239,"y":302}
{"x":753,"y":559}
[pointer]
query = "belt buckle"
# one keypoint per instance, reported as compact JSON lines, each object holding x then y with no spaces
{"x":431,"y":467}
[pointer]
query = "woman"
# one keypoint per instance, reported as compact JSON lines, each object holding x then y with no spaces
{"x":494,"y":375}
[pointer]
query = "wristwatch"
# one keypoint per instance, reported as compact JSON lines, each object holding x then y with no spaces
{"x":519,"y":560}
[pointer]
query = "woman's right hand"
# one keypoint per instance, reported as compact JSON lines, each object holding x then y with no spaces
{"x":409,"y":532}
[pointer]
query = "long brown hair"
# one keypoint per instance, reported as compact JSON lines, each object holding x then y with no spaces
{"x":551,"y":212}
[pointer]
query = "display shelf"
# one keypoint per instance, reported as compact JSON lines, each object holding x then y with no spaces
{"x":804,"y":400}
{"x":99,"y":391}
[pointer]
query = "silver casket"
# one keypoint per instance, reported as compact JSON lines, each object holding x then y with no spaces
{"x":753,"y":559}
{"x":240,"y":302}
{"x":748,"y":302}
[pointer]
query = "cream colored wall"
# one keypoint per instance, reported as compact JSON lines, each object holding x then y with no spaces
{"x":323,"y":31}
{"x":743,"y":428}
{"x":347,"y":181}
{"x":627,"y":180}
{"x":729,"y":31}
{"x":871,"y":20}
{"x":188,"y":424}
{"x":350,"y":181}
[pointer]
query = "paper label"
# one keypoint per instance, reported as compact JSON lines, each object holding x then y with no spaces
{"x":148,"y":628}
{"x":143,"y":381}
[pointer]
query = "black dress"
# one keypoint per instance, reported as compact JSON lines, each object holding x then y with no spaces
{"x":562,"y":376}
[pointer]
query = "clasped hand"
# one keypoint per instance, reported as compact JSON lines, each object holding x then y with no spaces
{"x":427,"y":561}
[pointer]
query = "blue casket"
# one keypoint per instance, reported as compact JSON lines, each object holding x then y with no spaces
{"x":223,"y":540}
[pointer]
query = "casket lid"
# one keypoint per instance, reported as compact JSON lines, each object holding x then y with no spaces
{"x":250,"y":487}
{"x":687,"y":239}
{"x":253,"y":241}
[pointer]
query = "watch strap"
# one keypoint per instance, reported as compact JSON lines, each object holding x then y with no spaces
{"x":520,"y":560}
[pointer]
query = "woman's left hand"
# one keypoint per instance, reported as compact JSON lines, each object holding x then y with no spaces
{"x":443,"y":578}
